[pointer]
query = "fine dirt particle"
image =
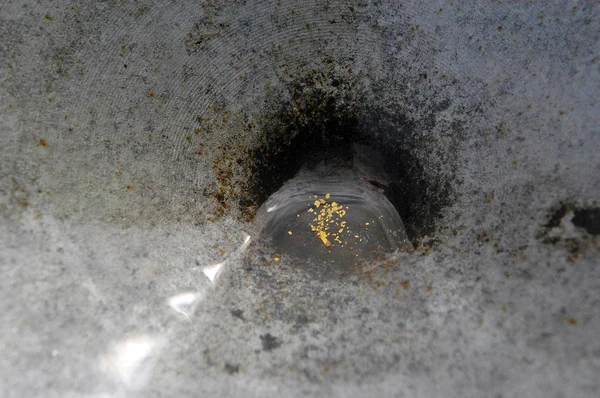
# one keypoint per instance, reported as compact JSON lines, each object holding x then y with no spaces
{"x":269,"y":342}
{"x":232,"y":369}
{"x":238,"y":314}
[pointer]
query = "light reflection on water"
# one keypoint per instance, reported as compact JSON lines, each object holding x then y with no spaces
{"x":185,"y":303}
{"x":212,"y":271}
{"x":129,"y":363}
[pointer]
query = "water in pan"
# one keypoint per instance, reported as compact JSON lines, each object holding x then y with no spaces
{"x":332,"y":216}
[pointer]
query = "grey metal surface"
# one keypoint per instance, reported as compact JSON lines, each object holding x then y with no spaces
{"x":115,"y":117}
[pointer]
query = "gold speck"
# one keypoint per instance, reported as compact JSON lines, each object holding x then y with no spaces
{"x":323,"y":237}
{"x":327,"y":216}
{"x":289,"y":232}
{"x":327,"y":196}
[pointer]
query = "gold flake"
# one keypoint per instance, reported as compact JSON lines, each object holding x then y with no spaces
{"x":323,"y":237}
{"x":328,"y":214}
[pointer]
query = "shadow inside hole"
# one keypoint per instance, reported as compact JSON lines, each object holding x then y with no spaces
{"x":320,"y":125}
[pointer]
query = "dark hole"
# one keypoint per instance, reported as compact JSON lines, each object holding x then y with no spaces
{"x":322,"y":123}
{"x":589,"y":219}
{"x":557,"y":215}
